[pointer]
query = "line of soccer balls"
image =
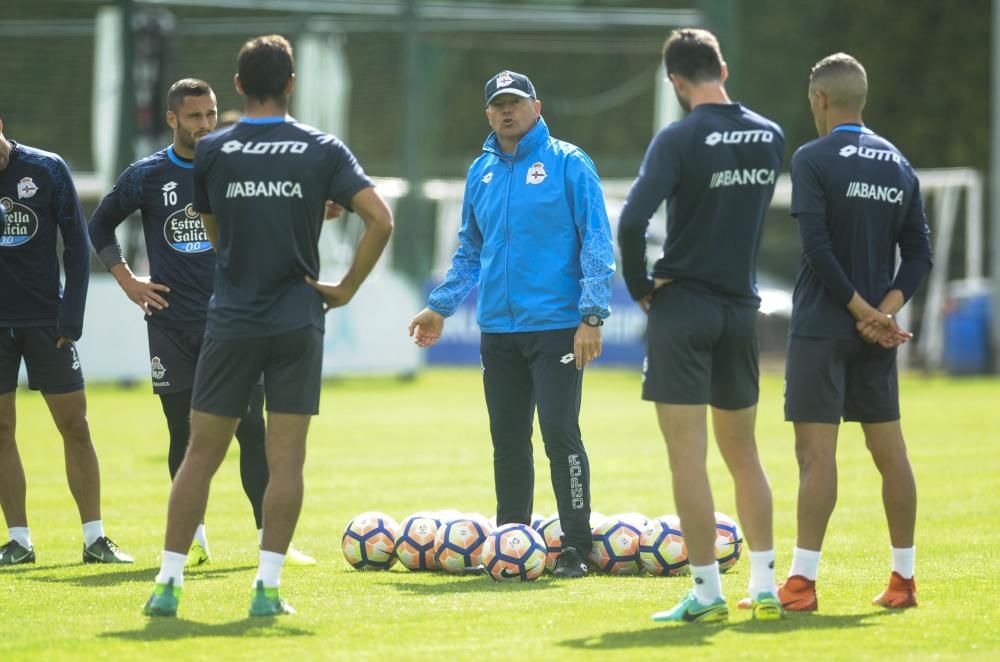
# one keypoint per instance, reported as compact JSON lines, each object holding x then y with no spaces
{"x":468,"y":543}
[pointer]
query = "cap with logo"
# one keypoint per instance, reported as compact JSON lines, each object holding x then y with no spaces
{"x":509,"y":82}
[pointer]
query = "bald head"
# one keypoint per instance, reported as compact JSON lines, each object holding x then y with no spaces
{"x":842,"y":79}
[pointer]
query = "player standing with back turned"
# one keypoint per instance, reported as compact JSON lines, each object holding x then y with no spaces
{"x":716,"y":168}
{"x":175,"y":296}
{"x":261,"y":187}
{"x":856,"y":199}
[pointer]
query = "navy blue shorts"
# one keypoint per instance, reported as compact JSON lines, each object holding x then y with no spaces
{"x":50,"y":370}
{"x":827,"y":379}
{"x":173,"y":356}
{"x":292,"y":365}
{"x":700,"y":350}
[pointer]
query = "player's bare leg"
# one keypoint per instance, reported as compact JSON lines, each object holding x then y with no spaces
{"x":816,"y":451}
{"x":899,"y":497}
{"x":899,"y":490}
{"x":286,"y":455}
{"x":210,"y":437}
{"x":12,"y":483}
{"x":734,"y":433}
{"x":69,"y":412}
{"x":685,"y":430}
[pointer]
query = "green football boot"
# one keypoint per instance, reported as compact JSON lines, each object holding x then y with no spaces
{"x":104,"y":550}
{"x":197,"y":555}
{"x":14,"y":554}
{"x":689,"y":610}
{"x":163,"y":601}
{"x":267,"y":602}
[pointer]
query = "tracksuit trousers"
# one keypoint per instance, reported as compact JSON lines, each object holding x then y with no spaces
{"x":522,"y":371}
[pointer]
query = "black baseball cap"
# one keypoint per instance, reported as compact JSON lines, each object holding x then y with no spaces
{"x":509,"y":82}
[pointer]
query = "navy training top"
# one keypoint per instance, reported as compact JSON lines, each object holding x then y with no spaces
{"x":716,"y":168}
{"x":180,"y":254}
{"x":38,"y":196}
{"x":266,"y":181}
{"x":855,"y":197}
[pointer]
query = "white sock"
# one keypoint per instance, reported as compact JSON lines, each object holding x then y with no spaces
{"x":260,"y":537}
{"x":805,"y":562}
{"x":762,"y":573}
{"x":92,"y":531}
{"x":269,"y":570}
{"x":903,"y":560}
{"x":20,"y":535}
{"x":200,"y":538}
{"x":172,"y":567}
{"x":707,"y":583}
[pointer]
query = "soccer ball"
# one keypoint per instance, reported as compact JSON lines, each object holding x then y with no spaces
{"x":662,"y":550}
{"x":415,"y":542}
{"x":447,"y":515}
{"x":536,"y":521}
{"x":615,"y":547}
{"x":551,"y":532}
{"x":459,"y":545}
{"x":514,"y":551}
{"x":596,"y":519}
{"x":638,"y":520}
{"x":480,"y":520}
{"x":728,"y":541}
{"x":369,"y":541}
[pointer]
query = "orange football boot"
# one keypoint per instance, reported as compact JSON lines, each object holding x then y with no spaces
{"x":900,"y":593}
{"x":798,"y":594}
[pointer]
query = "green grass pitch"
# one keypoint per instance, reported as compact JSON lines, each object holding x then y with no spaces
{"x":423,"y":445}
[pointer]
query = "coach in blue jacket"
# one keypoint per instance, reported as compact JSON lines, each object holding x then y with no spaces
{"x":536,"y":240}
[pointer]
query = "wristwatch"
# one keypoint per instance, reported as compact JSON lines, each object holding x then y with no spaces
{"x":592,"y":320}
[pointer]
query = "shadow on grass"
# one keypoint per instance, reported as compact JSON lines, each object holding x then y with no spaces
{"x":111,"y":575}
{"x":699,"y":634}
{"x":168,"y":629}
{"x":468,"y":585}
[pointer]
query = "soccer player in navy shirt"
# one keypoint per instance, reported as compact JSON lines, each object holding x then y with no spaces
{"x":39,"y":321}
{"x":261,"y":188}
{"x":175,"y":296}
{"x":856,"y":199}
{"x":716,"y":168}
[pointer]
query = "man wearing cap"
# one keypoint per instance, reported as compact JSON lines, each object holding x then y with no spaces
{"x":536,"y":240}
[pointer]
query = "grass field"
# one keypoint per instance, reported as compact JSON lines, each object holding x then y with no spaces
{"x":423,"y":445}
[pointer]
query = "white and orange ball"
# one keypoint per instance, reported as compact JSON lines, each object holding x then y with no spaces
{"x":552,"y":533}
{"x":415,"y":542}
{"x":728,"y":541}
{"x":458,"y":545}
{"x":662,"y":550}
{"x":369,"y":541}
{"x":615,"y":547}
{"x":514,"y":552}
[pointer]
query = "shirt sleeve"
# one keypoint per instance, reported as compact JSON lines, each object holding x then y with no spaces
{"x":348,"y":176}
{"x":124,"y":199}
{"x":914,"y":248}
{"x":69,"y":216}
{"x":199,"y":176}
{"x":657,"y":180}
{"x":465,"y":264}
{"x":597,"y":254}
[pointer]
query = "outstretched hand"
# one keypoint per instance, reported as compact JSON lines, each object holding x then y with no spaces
{"x":426,"y":327}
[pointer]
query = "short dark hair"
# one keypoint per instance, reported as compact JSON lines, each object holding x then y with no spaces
{"x":264,"y":66}
{"x":843,"y":78}
{"x":186,"y":87}
{"x":693,"y":54}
